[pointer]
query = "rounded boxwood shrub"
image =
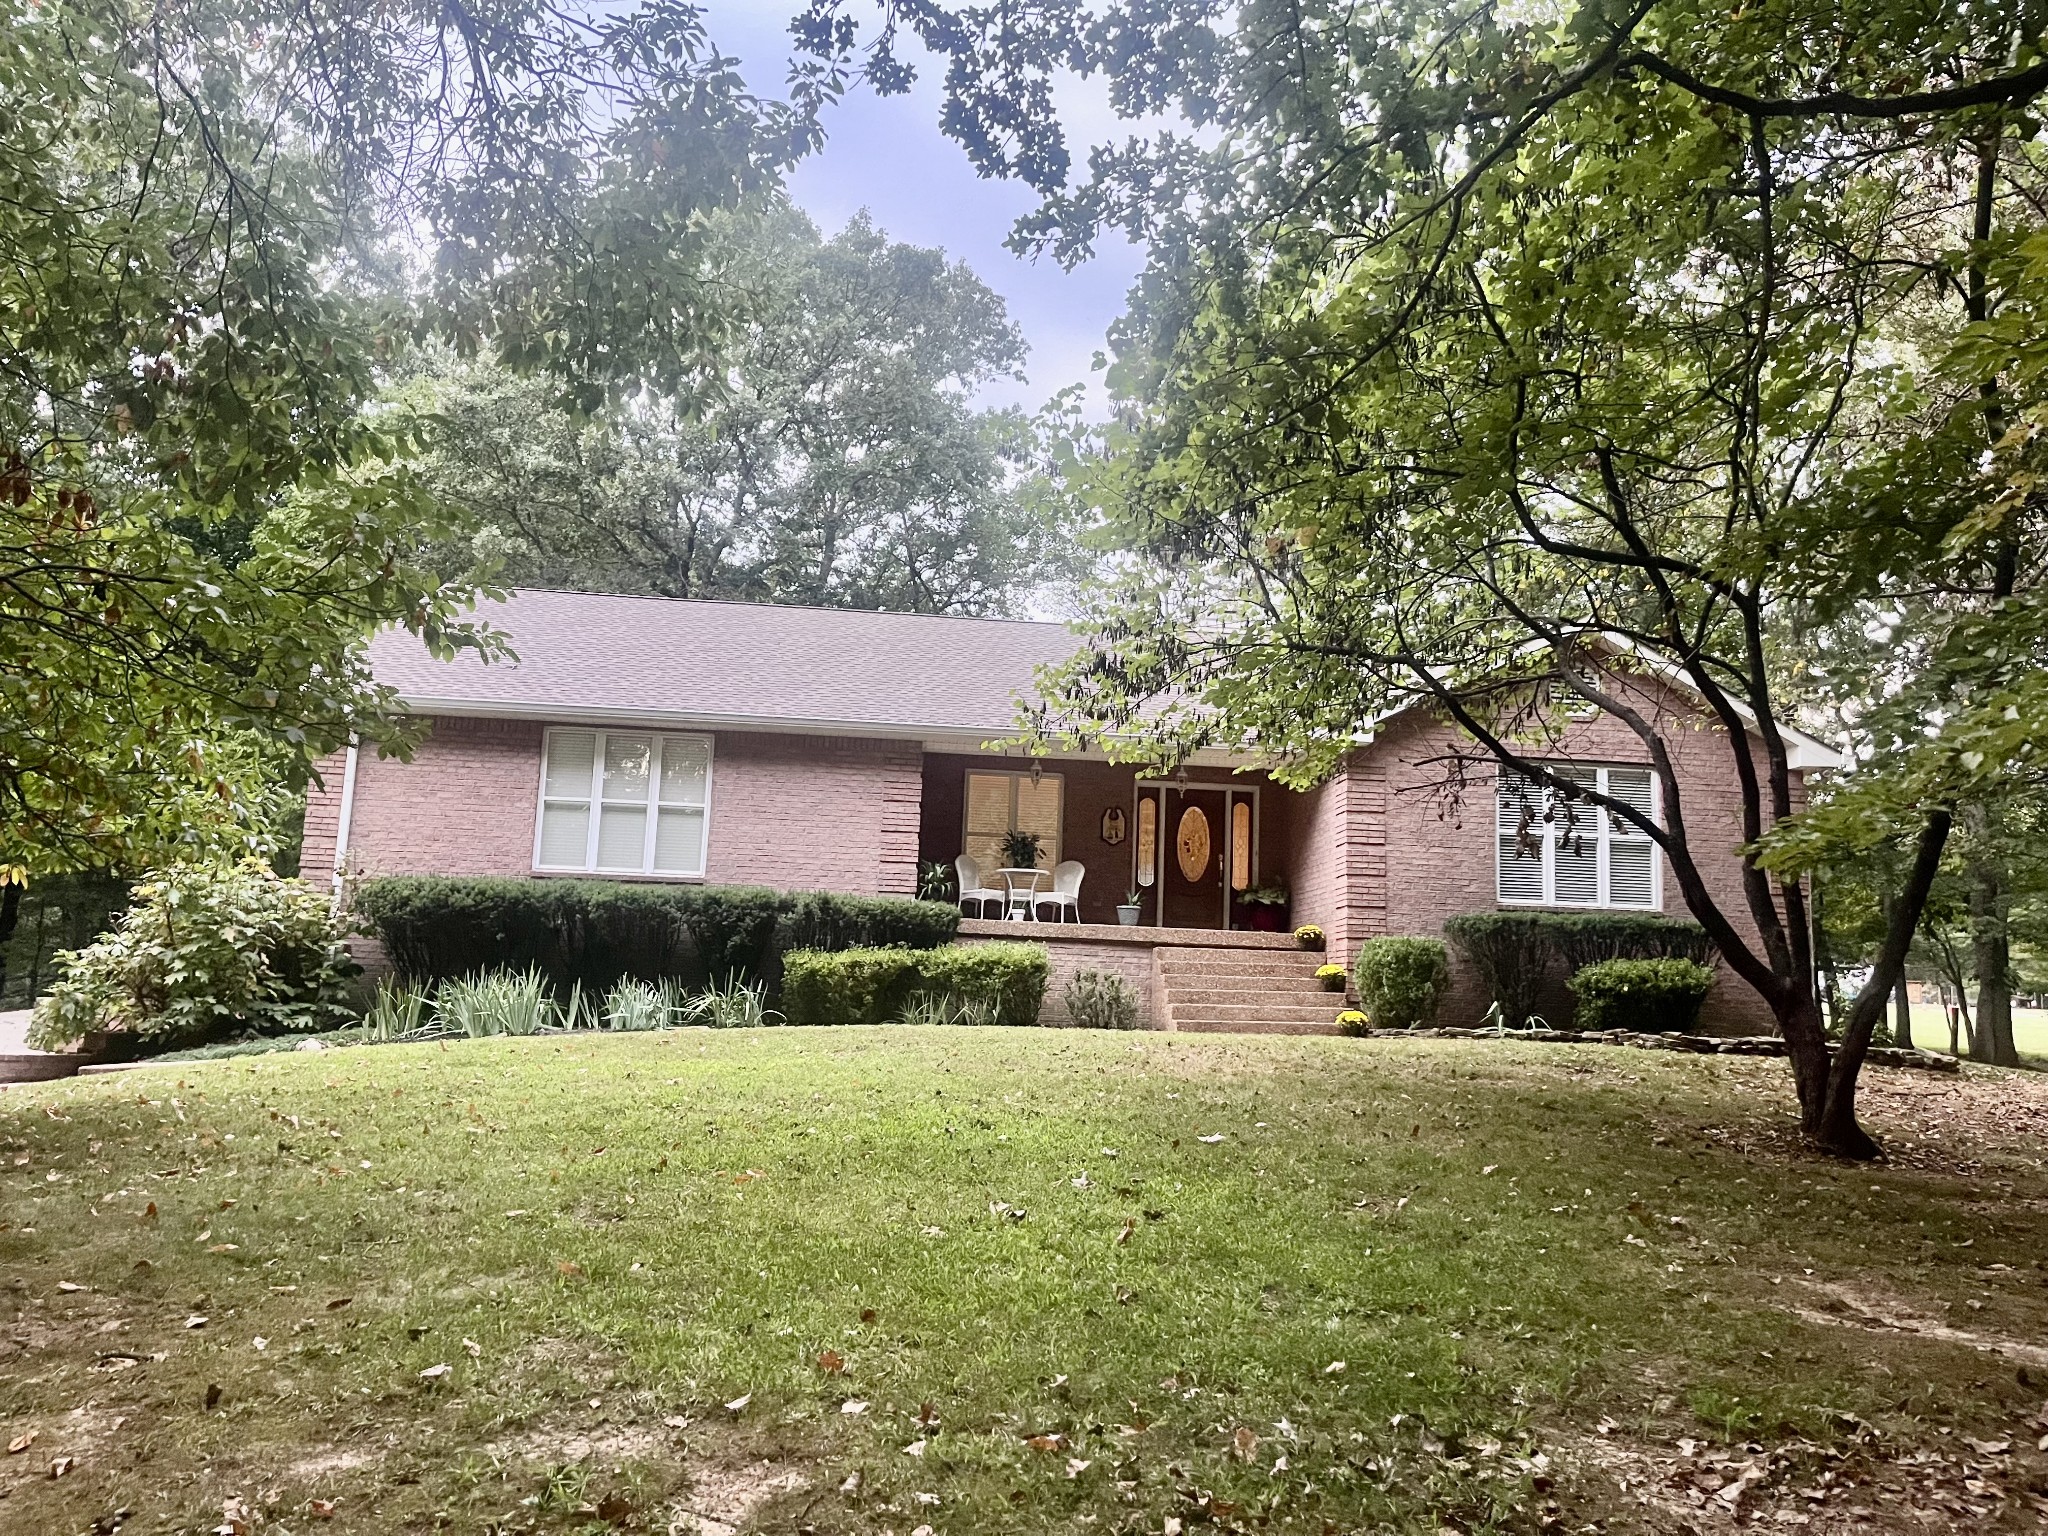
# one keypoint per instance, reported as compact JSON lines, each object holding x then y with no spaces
{"x":1655,"y":996}
{"x":872,"y":986}
{"x":1401,"y":981}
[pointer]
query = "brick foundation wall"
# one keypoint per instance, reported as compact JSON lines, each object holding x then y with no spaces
{"x":1133,"y":962}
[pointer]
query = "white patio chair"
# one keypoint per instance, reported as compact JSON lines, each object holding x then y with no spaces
{"x":971,"y":888}
{"x":1065,"y":895}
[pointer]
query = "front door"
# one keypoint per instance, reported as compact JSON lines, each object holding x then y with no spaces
{"x":1193,"y":836}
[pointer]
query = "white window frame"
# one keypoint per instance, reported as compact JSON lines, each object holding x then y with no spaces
{"x":1549,"y":825}
{"x":595,"y":802}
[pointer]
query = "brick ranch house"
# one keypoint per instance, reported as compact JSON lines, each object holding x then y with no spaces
{"x":642,"y":738}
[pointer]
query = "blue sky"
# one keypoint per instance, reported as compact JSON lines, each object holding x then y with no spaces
{"x":889,"y":157}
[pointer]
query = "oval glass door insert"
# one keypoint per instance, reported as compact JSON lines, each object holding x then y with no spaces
{"x":1192,"y":844}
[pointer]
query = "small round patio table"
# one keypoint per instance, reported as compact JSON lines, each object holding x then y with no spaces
{"x":1023,"y":886}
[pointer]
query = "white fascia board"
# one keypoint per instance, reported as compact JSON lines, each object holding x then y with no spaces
{"x":953,"y":739}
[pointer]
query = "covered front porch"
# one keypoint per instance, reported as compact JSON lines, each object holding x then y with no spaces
{"x":1206,"y":849}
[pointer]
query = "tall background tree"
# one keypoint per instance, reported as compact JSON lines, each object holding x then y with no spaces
{"x":841,"y":462}
{"x":217,"y":221}
{"x":1492,"y":361}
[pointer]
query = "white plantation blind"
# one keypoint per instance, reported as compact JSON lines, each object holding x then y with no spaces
{"x":1557,"y":852}
{"x":1001,"y":803}
{"x":623,"y":803}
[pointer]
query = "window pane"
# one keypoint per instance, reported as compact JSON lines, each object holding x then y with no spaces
{"x":564,"y":835}
{"x":1519,"y":801}
{"x":570,"y":754}
{"x":628,"y":761}
{"x":684,"y":765}
{"x":1631,"y":786}
{"x":988,"y":804}
{"x":1575,"y":869}
{"x":679,"y":842}
{"x":1038,"y":810}
{"x":1628,"y":872}
{"x":1521,"y":869}
{"x":1240,"y":845}
{"x":622,"y":837}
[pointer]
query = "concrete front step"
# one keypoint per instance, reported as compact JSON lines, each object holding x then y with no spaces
{"x":1248,"y":962}
{"x":1209,"y":1026}
{"x":1303,"y":992}
{"x":1261,"y":1009}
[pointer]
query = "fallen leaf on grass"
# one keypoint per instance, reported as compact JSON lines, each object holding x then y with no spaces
{"x":435,"y":1372}
{"x":1045,"y":1442}
{"x":915,"y":1448}
{"x":474,"y":1350}
{"x":867,"y":1314}
{"x":69,"y":1286}
{"x":195,"y":1321}
{"x":212,"y":1396}
{"x":566,"y":1267}
{"x":62,"y":1465}
{"x":852,"y":1484}
{"x":339,"y":1302}
{"x":853,"y":1405}
{"x":831,"y":1362}
{"x":1243,"y":1443}
{"x":1208,"y":1141}
{"x":22,"y":1441}
{"x":321,"y":1509}
{"x":1076,"y":1466}
{"x":1988,"y":1447}
{"x":1130,"y":1226}
{"x":739,"y":1404}
{"x":1334,"y":1368}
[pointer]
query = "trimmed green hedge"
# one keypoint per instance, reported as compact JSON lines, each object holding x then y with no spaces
{"x":600,"y":932}
{"x":1655,"y":996}
{"x":1401,"y":981}
{"x":1516,"y":953}
{"x":872,"y":986}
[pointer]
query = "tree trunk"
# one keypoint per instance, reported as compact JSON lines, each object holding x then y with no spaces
{"x":1991,"y":958}
{"x":1902,"y":1014}
{"x":10,"y":917}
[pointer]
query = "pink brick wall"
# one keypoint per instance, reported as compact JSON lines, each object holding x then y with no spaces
{"x":794,"y":812}
{"x":323,"y":819}
{"x":1439,"y":854}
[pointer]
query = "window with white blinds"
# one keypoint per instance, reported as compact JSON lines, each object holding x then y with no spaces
{"x":1001,"y":803}
{"x":1557,"y":852}
{"x":623,"y":803}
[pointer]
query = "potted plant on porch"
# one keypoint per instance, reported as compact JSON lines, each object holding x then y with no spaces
{"x":1264,"y":908}
{"x":1128,"y":911}
{"x":1021,"y":850}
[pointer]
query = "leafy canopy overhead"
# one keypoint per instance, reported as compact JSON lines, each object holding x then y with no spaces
{"x":840,"y":462}
{"x":216,"y":222}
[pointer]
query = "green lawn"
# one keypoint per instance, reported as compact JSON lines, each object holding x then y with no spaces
{"x":1017,"y":1281}
{"x":2029,"y":1030}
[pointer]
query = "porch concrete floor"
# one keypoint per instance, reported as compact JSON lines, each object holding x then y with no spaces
{"x":1117,"y":933}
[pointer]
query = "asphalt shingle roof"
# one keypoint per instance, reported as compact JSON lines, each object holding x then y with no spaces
{"x":615,"y":657}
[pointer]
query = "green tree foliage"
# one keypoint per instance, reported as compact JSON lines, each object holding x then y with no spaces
{"x":1508,"y":363}
{"x":215,"y":222}
{"x":841,"y":462}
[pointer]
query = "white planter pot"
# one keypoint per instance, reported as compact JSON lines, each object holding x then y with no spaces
{"x":1128,"y":916}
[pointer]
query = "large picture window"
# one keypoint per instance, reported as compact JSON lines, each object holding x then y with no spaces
{"x":623,"y":803}
{"x":1555,"y":852}
{"x":1001,"y":803}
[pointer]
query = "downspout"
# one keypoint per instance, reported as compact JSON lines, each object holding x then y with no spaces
{"x":341,"y":825}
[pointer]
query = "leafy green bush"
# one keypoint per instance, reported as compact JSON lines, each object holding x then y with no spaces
{"x":848,"y":986}
{"x":1401,"y":981}
{"x":827,"y":920}
{"x":597,"y":933}
{"x":205,"y":951}
{"x":1100,"y":1000}
{"x":1517,"y":953}
{"x":496,"y":1003}
{"x":871,"y":986}
{"x":1010,"y":977}
{"x":1655,"y":996}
